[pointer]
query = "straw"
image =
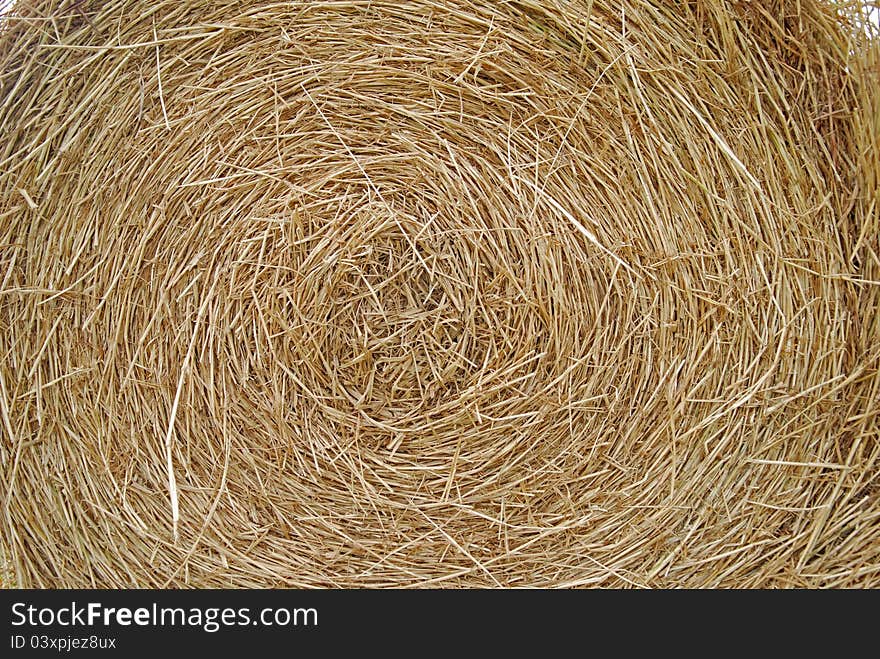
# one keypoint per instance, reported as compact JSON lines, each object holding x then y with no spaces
{"x":439,"y":293}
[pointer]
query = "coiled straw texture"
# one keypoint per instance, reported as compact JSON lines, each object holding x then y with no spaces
{"x":439,"y":293}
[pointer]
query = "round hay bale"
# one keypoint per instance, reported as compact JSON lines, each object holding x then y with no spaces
{"x":439,"y":293}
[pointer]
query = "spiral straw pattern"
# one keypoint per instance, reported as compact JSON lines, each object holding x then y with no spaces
{"x":439,"y":293}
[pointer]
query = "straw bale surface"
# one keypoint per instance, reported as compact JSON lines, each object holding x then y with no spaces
{"x":439,"y":293}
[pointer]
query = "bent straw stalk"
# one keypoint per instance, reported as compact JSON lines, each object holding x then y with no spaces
{"x":439,"y":293}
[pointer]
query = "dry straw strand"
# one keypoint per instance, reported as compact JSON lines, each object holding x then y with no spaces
{"x":439,"y":293}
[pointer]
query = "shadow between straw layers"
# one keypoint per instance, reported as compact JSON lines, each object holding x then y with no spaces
{"x":439,"y":294}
